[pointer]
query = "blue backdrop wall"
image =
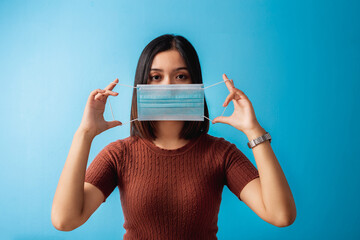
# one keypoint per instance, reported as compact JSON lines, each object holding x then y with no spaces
{"x":298,"y":62}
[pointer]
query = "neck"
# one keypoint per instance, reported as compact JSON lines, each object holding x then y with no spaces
{"x":167,"y":134}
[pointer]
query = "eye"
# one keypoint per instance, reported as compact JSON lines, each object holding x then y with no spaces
{"x":182,"y":77}
{"x":155,"y":77}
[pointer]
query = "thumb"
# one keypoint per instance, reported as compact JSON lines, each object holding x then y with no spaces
{"x":112,"y":124}
{"x":221,"y":119}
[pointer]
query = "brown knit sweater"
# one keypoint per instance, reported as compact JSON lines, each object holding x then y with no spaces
{"x":170,"y":194}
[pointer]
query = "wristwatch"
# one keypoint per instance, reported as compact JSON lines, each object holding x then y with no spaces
{"x":259,"y":140}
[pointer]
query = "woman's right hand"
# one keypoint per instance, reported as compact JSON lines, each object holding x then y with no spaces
{"x":93,"y":122}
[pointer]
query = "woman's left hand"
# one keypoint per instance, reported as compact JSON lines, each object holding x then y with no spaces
{"x":243,"y":118}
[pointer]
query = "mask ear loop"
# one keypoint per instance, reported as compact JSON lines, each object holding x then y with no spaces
{"x":212,"y":86}
{"x":111,"y":107}
{"x":216,"y":84}
{"x":221,"y":114}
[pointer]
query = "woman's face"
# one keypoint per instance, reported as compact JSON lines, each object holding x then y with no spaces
{"x":169,"y":68}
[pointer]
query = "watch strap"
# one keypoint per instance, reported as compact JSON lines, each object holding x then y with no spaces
{"x":259,"y":140}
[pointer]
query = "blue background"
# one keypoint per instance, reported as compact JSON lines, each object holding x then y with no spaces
{"x":298,"y":62}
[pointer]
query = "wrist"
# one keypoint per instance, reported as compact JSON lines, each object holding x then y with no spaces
{"x":254,"y":132}
{"x":86,"y":133}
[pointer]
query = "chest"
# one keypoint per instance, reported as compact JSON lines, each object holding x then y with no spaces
{"x":177,"y":186}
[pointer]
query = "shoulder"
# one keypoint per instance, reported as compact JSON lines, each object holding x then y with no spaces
{"x":222,"y":146}
{"x":115,"y":152}
{"x":217,"y":146}
{"x":126,"y":141}
{"x":218,"y":143}
{"x":220,"y":149}
{"x":121,"y":145}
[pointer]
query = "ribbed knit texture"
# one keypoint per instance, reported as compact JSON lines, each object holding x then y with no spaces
{"x":170,"y":194}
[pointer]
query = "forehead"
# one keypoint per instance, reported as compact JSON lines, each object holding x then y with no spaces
{"x":168,"y":60}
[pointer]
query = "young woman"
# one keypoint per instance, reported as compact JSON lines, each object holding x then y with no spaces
{"x":170,"y":174}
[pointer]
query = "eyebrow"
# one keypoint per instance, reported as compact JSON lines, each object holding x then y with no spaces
{"x":177,"y":69}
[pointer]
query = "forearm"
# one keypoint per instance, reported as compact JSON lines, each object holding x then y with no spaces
{"x":276,"y":194}
{"x":69,"y":195}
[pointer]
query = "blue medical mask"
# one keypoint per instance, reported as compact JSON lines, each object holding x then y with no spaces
{"x":183,"y":102}
{"x":177,"y":102}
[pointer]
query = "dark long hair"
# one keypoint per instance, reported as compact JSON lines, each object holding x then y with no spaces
{"x":147,"y":129}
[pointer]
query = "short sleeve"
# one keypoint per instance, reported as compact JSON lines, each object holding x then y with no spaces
{"x":102,"y":171}
{"x":239,"y":170}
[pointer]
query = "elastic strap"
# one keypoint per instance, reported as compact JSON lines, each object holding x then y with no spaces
{"x":204,"y":87}
{"x":216,"y":84}
{"x":124,"y":85}
{"x":129,"y":121}
{"x":114,"y":117}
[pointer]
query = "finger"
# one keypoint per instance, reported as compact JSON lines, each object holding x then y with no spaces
{"x":112,"y":85}
{"x":221,"y":119}
{"x":95,"y":92}
{"x":99,"y":96}
{"x":112,"y":93}
{"x":240,"y":93}
{"x":102,"y":96}
{"x":230,"y":97}
{"x":112,"y":124}
{"x":228,"y":83}
{"x":235,"y":95}
{"x":236,"y":104}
